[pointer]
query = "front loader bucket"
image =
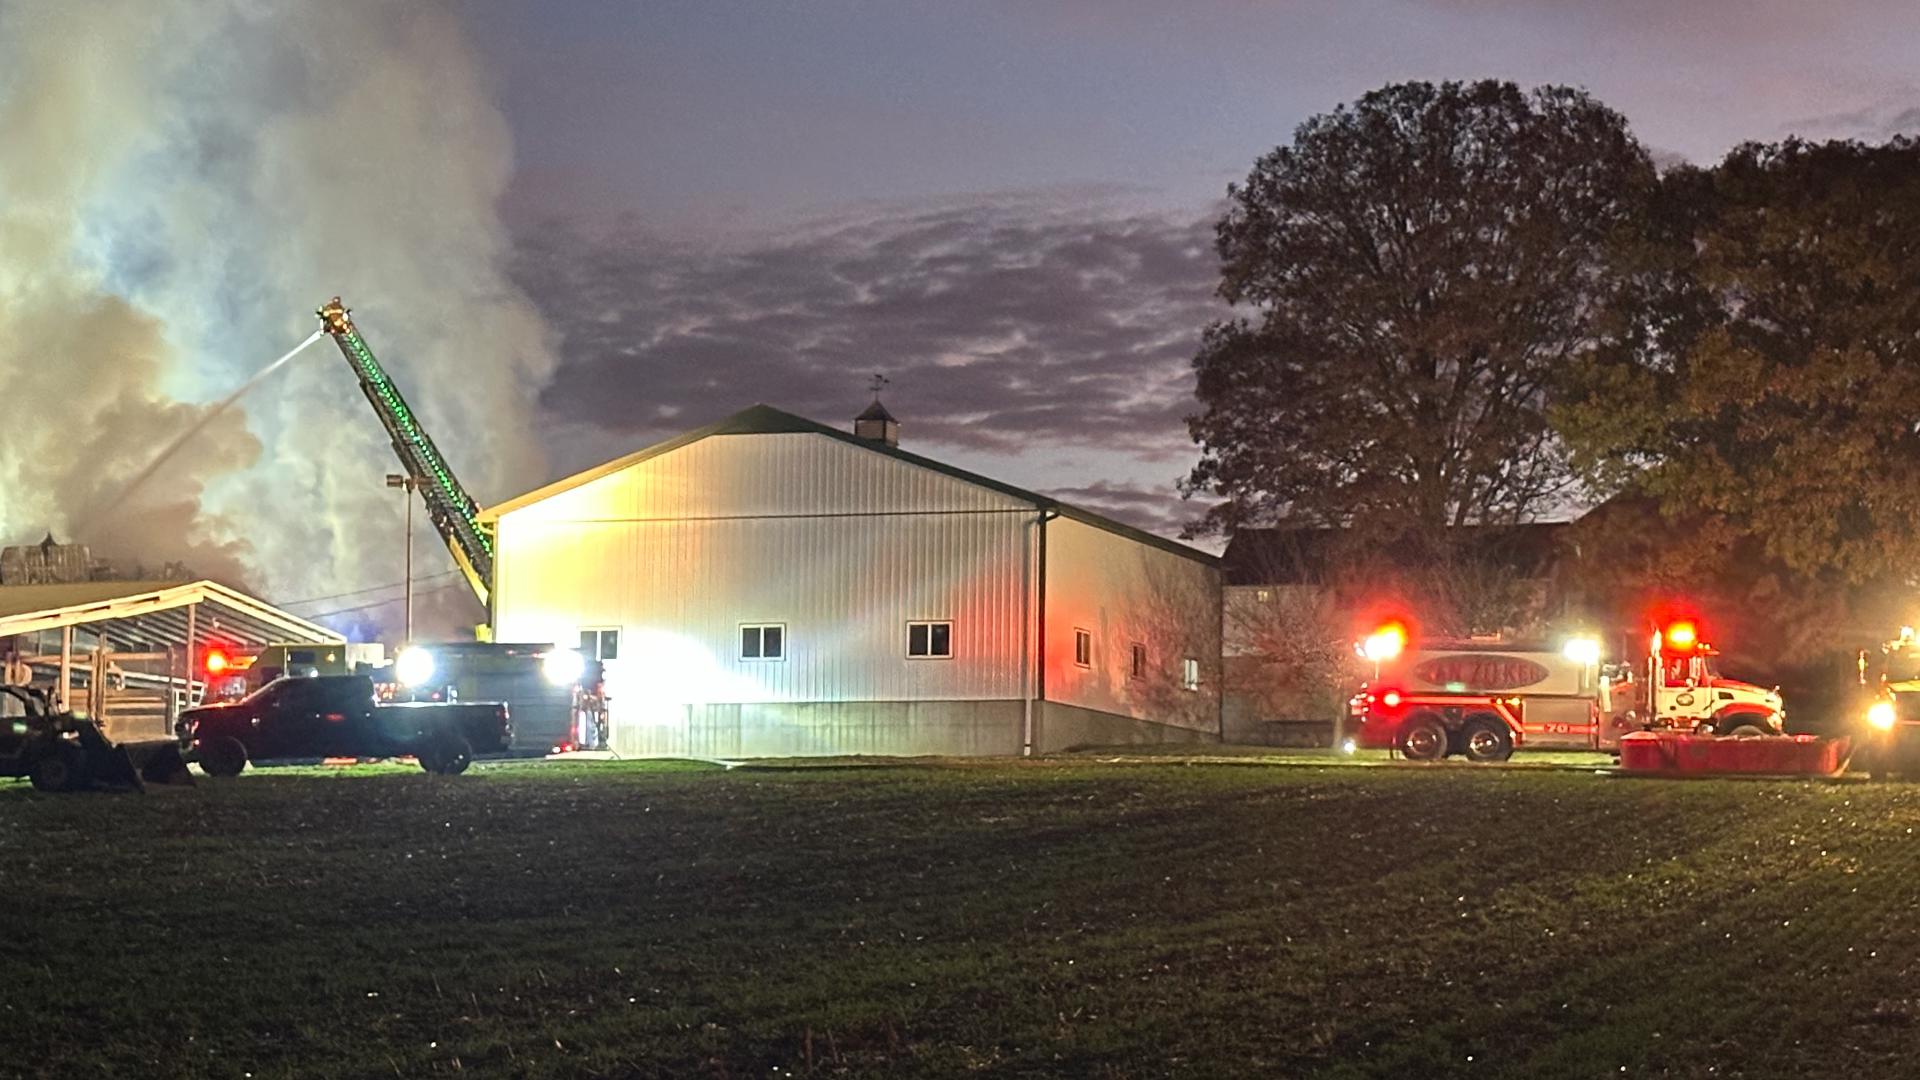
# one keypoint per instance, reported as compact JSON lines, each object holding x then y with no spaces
{"x":108,"y":764}
{"x":158,"y":762}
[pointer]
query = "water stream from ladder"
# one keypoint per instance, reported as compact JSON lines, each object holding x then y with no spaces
{"x":100,"y":509}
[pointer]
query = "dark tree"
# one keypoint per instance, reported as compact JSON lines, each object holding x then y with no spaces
{"x":1417,"y":268}
{"x":1779,"y":396}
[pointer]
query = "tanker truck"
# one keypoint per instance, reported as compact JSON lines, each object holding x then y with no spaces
{"x":1483,"y":698}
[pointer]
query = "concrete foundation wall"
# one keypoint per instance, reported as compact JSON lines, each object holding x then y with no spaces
{"x":825,"y":728}
{"x":879,"y":728}
{"x":1063,"y":727}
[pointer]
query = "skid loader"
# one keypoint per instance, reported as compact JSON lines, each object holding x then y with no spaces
{"x":59,"y":751}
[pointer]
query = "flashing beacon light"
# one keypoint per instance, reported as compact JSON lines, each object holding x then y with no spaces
{"x":1385,"y":643}
{"x":217,"y":662}
{"x":1882,"y":715}
{"x":1682,"y":636}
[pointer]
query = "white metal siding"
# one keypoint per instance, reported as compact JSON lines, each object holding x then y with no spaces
{"x":764,"y":476}
{"x":842,"y":546}
{"x":1122,"y":592}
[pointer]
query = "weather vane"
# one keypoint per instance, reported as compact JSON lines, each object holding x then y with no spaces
{"x":877,"y":383}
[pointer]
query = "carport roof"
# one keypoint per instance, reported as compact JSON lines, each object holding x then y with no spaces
{"x":155,"y":612}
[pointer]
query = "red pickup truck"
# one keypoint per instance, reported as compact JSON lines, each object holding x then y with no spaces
{"x":336,"y":716}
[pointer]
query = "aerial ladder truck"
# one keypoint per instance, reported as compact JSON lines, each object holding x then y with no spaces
{"x":553,"y":696}
{"x":453,"y":512}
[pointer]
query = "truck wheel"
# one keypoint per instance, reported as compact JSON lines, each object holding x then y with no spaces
{"x":1423,"y":738}
{"x":447,"y":757}
{"x":1487,"y":739}
{"x":1736,"y":727}
{"x":223,"y":755}
{"x":62,"y":768}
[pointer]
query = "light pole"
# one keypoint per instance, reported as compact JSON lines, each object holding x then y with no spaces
{"x":407,"y":485}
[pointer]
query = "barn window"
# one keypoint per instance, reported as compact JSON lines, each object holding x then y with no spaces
{"x":930,"y":640}
{"x":600,"y":644}
{"x":763,"y":641}
{"x":1082,"y":647}
{"x":1137,"y":667}
{"x":1190,"y":673}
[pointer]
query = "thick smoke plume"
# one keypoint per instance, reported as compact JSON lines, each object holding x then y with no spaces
{"x":181,"y":183}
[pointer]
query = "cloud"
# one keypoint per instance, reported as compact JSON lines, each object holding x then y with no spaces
{"x":1897,"y":113}
{"x":1155,"y":508}
{"x":1005,"y":324}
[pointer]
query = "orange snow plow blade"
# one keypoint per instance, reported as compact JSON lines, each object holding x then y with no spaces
{"x":1674,"y":753}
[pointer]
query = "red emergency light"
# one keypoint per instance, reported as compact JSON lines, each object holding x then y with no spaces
{"x":217,"y":662}
{"x":1389,"y":641}
{"x":1682,"y":636}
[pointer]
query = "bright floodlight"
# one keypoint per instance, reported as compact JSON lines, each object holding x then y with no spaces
{"x":563,"y":667}
{"x":1881,"y":715}
{"x":1582,"y":650}
{"x":1348,"y":747}
{"x":1384,"y":643}
{"x":414,"y":666}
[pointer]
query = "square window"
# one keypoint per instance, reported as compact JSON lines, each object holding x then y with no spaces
{"x":1082,"y":647}
{"x":763,"y":641}
{"x":1138,"y":668}
{"x":1190,"y":673}
{"x":930,"y":640}
{"x":600,"y":644}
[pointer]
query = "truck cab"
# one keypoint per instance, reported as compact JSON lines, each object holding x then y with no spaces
{"x":1691,"y":694}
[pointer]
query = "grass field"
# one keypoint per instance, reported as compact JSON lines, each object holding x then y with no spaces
{"x":1075,"y":918}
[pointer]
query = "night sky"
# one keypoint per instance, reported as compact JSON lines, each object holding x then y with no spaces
{"x":573,"y":229}
{"x":1007,"y":207}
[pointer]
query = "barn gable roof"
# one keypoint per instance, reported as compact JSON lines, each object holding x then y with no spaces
{"x":767,"y":420}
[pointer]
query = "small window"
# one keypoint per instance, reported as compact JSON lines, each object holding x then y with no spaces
{"x":1137,"y":668}
{"x":1262,"y":595}
{"x":930,"y":640}
{"x":763,"y":641}
{"x":600,"y":644}
{"x":1082,"y":647}
{"x":1190,"y":673}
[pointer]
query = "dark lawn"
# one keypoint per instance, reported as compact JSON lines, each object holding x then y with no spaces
{"x":1079,"y":919}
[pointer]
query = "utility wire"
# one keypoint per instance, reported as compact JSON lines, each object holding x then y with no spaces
{"x":363,"y":592}
{"x":382,"y":603}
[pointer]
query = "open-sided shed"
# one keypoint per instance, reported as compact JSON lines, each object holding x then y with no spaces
{"x":128,"y":652}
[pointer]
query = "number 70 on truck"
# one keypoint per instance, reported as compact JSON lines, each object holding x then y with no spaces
{"x":1482,"y":699}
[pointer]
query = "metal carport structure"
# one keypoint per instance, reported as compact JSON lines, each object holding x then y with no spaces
{"x":130,"y":646}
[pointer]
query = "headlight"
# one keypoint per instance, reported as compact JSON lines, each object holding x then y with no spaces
{"x":1881,"y":715}
{"x":414,"y":666}
{"x":563,"y":667}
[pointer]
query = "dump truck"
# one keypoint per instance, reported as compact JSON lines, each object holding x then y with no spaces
{"x":59,"y":751}
{"x":1483,"y":698}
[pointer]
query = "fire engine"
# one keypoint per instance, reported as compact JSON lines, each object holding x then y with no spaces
{"x":1482,"y":698}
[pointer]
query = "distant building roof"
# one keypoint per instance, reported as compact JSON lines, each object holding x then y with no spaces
{"x":1308,"y":554}
{"x":767,"y":420}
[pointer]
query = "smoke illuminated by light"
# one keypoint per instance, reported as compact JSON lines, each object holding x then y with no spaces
{"x":173,"y":199}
